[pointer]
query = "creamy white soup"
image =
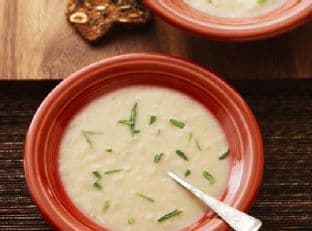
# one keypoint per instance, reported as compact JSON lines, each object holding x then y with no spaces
{"x":116,"y":152}
{"x":236,"y":8}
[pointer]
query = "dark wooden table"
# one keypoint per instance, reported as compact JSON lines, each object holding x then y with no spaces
{"x":283,"y":109}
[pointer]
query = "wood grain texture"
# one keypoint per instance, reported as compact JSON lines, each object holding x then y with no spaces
{"x":36,"y":42}
{"x":283,"y":109}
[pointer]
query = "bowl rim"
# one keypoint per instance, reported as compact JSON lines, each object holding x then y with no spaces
{"x":239,"y":33}
{"x":29,"y":169}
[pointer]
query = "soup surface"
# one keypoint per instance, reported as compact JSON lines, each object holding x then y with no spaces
{"x":116,"y":152}
{"x":236,"y":8}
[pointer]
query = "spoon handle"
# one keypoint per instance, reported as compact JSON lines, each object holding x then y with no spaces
{"x":238,"y":220}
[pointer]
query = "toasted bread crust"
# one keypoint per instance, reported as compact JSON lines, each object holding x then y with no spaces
{"x":94,"y":18}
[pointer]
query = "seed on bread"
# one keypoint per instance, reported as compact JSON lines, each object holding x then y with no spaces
{"x":133,"y":15}
{"x":122,"y":20}
{"x":101,"y":8}
{"x":125,"y":7}
{"x":79,"y":17}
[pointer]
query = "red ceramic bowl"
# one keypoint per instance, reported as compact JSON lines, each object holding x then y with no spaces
{"x":176,"y":12}
{"x":46,"y":129}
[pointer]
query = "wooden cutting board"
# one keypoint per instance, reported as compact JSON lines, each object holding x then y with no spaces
{"x":36,"y":42}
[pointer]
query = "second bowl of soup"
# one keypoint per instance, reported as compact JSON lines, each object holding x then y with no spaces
{"x":233,"y":20}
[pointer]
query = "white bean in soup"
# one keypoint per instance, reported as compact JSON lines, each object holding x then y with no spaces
{"x":116,"y":152}
{"x":236,"y":8}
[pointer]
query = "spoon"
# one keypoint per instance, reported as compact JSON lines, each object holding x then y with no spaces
{"x":238,"y":220}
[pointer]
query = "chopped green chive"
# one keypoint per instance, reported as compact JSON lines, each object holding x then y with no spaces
{"x":132,"y":120}
{"x":92,"y":132}
{"x":109,"y":150}
{"x":224,"y":155}
{"x":97,"y":185}
{"x":106,"y":206}
{"x":169,"y":215}
{"x":126,"y":122}
{"x":190,"y":137}
{"x":113,"y":171}
{"x":209,"y":177}
{"x":131,"y":221}
{"x":87,"y":134}
{"x":87,"y":138}
{"x":158,"y":157}
{"x":134,"y":112}
{"x":152,"y":119}
{"x":197,"y":145}
{"x":177,"y":123}
{"x":261,"y":1}
{"x":145,"y":197}
{"x":187,"y":173}
{"x":182,"y":155}
{"x":97,"y":175}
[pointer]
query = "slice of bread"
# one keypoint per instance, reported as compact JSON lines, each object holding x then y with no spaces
{"x":94,"y":18}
